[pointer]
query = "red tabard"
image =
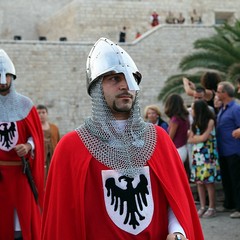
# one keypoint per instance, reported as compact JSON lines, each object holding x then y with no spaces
{"x":74,"y":205}
{"x":15,"y":192}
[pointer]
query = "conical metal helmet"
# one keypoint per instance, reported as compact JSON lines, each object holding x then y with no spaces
{"x":6,"y":66}
{"x":106,"y":56}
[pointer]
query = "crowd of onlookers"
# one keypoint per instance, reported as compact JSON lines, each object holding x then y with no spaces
{"x":178,"y":18}
{"x":171,"y":18}
{"x":207,"y":138}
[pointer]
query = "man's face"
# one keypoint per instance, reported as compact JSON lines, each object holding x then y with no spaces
{"x":152,"y":116}
{"x":198,"y":96}
{"x":5,"y":88}
{"x":42,"y":115}
{"x":217,"y":102}
{"x":220,"y":93}
{"x":117,"y":95}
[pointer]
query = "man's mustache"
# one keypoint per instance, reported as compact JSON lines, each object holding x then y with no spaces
{"x":125,"y":94}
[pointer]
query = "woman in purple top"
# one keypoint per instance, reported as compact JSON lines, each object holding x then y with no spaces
{"x":178,"y":124}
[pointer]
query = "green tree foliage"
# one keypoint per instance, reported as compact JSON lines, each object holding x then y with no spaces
{"x":219,"y":53}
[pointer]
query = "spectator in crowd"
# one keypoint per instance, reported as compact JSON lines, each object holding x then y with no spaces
{"x":110,"y":178}
{"x":122,"y":35}
{"x":154,"y":19}
{"x":228,"y":139}
{"x":153,"y":114}
{"x":217,"y":104}
{"x":21,"y":152}
{"x":51,"y":135}
{"x":189,"y":86}
{"x":195,"y":17}
{"x":180,"y":19}
{"x":178,"y":124}
{"x":205,"y":167}
{"x":138,"y":34}
{"x":209,"y":80}
{"x":170,"y":18}
{"x":198,"y":94}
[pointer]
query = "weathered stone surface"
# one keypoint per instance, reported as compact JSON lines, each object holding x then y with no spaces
{"x":53,"y":72}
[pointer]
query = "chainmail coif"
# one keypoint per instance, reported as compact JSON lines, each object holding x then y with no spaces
{"x":14,"y":106}
{"x":125,"y":151}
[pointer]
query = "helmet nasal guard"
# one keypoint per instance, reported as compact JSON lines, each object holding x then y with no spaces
{"x":6,"y":67}
{"x":105,"y":57}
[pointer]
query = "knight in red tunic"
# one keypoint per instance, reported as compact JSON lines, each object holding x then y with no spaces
{"x":20,"y":136}
{"x":116,"y":176}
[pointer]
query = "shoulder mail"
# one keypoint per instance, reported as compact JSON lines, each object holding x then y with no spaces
{"x":14,"y":107}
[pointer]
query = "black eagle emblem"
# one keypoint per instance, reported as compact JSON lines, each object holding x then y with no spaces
{"x":7,"y":134}
{"x":135,"y":198}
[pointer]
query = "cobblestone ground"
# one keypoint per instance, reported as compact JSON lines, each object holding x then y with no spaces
{"x":221,"y":227}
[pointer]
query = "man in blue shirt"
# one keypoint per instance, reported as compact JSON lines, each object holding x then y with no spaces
{"x":228,"y":138}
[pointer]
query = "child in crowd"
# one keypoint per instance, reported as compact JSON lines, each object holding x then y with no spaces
{"x":205,"y":167}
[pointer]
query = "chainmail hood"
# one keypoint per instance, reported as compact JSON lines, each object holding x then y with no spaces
{"x":126,"y":151}
{"x":14,"y":106}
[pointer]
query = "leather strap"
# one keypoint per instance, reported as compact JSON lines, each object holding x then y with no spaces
{"x":10,"y":163}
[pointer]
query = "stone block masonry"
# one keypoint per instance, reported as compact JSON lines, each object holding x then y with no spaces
{"x":53,"y":73}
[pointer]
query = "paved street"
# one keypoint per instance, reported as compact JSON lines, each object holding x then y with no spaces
{"x":221,"y":227}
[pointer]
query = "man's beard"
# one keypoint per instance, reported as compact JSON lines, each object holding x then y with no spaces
{"x":6,"y":89}
{"x":127,"y":108}
{"x":124,"y":110}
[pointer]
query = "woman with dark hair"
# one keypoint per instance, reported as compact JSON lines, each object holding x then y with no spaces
{"x":178,"y":124}
{"x":205,"y":167}
{"x":208,"y":80}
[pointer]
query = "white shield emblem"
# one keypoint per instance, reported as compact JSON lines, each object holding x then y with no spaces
{"x":128,"y":201}
{"x":8,"y":135}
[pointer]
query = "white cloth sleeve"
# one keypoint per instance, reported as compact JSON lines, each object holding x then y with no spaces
{"x":31,"y":142}
{"x":173,"y":224}
{"x":17,"y":226}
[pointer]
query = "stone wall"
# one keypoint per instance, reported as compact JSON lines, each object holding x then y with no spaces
{"x":53,"y":73}
{"x":21,"y":17}
{"x":87,"y":20}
